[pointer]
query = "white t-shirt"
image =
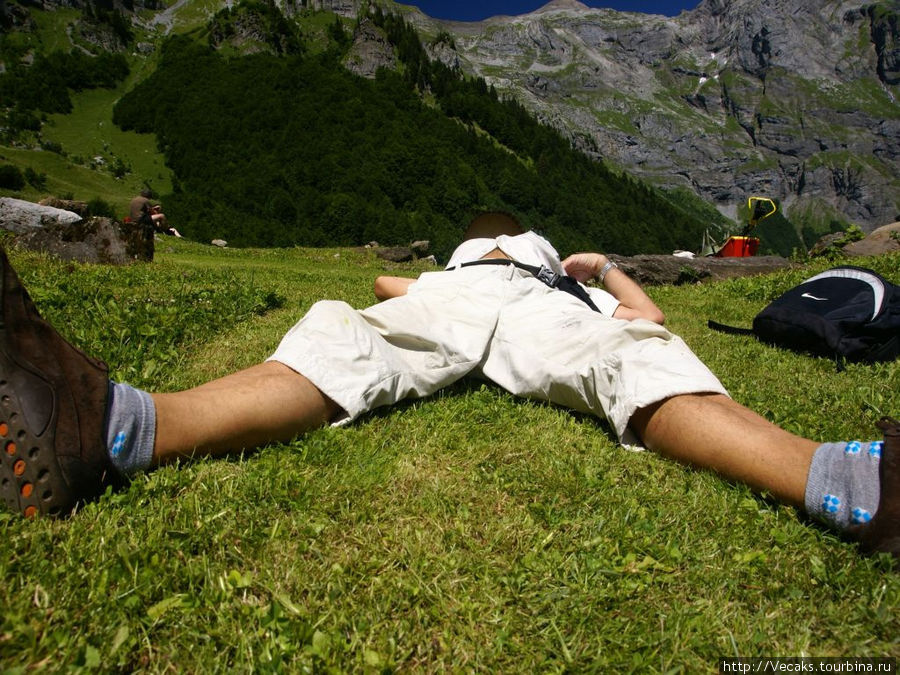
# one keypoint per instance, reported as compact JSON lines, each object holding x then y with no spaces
{"x":531,"y":249}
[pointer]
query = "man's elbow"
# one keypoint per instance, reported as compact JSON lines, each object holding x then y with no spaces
{"x":381,"y":290}
{"x":652,"y":313}
{"x":656,"y":316}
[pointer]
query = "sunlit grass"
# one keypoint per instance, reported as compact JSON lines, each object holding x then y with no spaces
{"x":467,"y":531}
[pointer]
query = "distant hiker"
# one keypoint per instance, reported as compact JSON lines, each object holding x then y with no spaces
{"x":145,"y":211}
{"x":506,"y":309}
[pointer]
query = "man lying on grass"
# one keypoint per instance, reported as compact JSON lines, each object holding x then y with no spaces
{"x":506,"y":309}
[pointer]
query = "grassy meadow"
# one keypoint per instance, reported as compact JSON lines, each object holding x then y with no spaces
{"x":470,"y":531}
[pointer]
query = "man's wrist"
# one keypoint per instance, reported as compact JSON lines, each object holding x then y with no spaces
{"x":610,"y":265}
{"x":599,"y":263}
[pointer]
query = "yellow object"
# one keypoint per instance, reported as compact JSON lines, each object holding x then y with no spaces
{"x":760,"y":208}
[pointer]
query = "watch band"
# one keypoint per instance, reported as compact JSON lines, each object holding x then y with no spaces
{"x":605,"y":270}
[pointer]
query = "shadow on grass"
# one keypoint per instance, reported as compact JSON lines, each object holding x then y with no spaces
{"x":470,"y":386}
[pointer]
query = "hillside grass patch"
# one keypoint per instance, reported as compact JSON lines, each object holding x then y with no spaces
{"x":52,"y":28}
{"x":88,"y":132}
{"x":65,"y":178}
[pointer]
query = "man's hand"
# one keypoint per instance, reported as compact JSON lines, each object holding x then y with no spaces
{"x":633,"y":302}
{"x":584,"y":266}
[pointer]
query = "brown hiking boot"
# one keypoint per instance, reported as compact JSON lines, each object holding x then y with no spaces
{"x":52,"y":411}
{"x":882,"y":533}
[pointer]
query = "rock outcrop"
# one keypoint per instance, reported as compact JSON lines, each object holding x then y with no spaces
{"x":416,"y":250}
{"x":655,"y":270}
{"x":253,"y":29}
{"x":96,"y":240}
{"x":885,"y":239}
{"x":20,"y":216}
{"x":370,"y":51}
{"x":73,"y":205}
{"x":67,"y":235}
{"x":348,"y":8}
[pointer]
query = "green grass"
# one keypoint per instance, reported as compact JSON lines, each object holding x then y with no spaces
{"x":52,"y":28}
{"x":467,"y":531}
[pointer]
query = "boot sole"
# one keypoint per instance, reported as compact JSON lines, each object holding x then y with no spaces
{"x":31,"y":479}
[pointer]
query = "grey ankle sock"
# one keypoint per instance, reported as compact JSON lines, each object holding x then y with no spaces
{"x":842,"y":488}
{"x":130,"y":428}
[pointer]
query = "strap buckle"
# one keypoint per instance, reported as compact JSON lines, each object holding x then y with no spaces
{"x":548,"y":276}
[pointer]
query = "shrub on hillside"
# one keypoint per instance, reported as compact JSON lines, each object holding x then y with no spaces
{"x":18,"y":119}
{"x":11,"y":178}
{"x":101,"y":208}
{"x":35,"y":179}
{"x":53,"y":146}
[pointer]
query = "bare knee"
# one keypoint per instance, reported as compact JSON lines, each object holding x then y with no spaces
{"x":654,"y":423}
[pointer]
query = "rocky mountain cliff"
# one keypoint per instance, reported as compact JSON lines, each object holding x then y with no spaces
{"x":793,"y":99}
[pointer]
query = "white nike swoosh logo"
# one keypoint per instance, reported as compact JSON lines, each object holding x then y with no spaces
{"x":811,"y":297}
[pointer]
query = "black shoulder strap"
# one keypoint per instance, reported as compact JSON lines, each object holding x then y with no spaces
{"x":560,"y":281}
{"x":571,"y":286}
{"x":732,"y":330}
{"x":488,"y":261}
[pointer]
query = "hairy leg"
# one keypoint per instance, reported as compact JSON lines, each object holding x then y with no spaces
{"x":714,"y":432}
{"x":262,"y":404}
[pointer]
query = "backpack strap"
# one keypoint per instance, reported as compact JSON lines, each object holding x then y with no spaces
{"x":862,"y":274}
{"x":731,"y":330}
{"x":545,"y":275}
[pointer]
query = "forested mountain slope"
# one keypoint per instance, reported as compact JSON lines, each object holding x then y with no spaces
{"x":272,"y":141}
{"x":295,"y":150}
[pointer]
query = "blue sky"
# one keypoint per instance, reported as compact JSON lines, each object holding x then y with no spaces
{"x":476,"y":10}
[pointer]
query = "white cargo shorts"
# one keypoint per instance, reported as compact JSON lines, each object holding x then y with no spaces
{"x":495,"y":322}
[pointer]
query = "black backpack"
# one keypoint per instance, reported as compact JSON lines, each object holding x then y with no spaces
{"x":845,"y":312}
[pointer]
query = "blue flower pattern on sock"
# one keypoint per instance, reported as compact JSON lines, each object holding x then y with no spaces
{"x":842,"y":487}
{"x":875,"y":449}
{"x":118,"y":444}
{"x":853,"y":448}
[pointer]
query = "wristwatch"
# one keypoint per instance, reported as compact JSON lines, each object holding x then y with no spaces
{"x":605,"y":270}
